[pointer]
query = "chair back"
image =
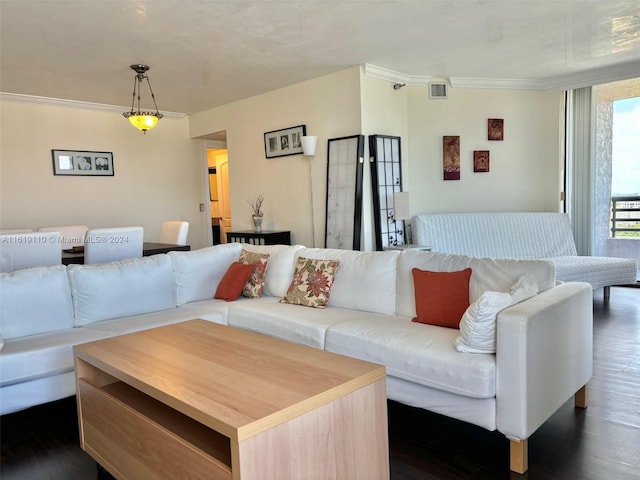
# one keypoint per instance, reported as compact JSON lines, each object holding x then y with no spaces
{"x":4,"y":231}
{"x":108,"y":244}
{"x":24,"y":250}
{"x":70,"y":235}
{"x":174,"y":232}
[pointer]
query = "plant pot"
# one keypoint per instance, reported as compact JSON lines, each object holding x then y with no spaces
{"x":257,"y":223}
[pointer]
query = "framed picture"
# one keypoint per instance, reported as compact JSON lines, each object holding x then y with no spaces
{"x":280,"y":143}
{"x":495,"y":129}
{"x":451,"y":157}
{"x":481,"y":160}
{"x":82,"y":162}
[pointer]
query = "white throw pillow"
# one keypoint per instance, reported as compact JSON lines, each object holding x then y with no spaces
{"x":478,"y":324}
{"x":1,"y":342}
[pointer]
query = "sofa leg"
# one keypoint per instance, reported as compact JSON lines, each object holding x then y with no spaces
{"x":519,"y":455}
{"x":581,"y":398}
{"x":607,"y":293}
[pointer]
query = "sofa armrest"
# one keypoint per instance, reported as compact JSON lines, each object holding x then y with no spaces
{"x":544,"y":356}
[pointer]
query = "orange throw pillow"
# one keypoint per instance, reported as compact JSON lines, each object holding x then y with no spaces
{"x":233,"y":281}
{"x":441,"y":297}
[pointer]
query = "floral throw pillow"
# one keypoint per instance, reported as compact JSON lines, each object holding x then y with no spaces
{"x":311,"y":284}
{"x":255,"y":285}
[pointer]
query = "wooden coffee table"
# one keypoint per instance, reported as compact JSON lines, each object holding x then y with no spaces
{"x":201,"y":400}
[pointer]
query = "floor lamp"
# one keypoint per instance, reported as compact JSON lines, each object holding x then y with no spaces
{"x":309,"y":143}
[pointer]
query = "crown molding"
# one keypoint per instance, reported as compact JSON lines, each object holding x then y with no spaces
{"x":504,"y":83}
{"x":597,"y":76}
{"x":586,"y":78}
{"x":395,"y":77}
{"x":61,"y":102}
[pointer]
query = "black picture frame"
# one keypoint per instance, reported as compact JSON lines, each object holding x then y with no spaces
{"x":82,"y":163}
{"x":284,"y":142}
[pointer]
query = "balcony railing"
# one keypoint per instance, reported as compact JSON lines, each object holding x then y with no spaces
{"x":625,"y":216}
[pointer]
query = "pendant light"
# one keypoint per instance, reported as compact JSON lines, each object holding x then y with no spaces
{"x":140,"y":119}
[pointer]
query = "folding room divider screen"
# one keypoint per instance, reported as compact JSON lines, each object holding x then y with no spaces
{"x":344,"y":192}
{"x":386,"y":179}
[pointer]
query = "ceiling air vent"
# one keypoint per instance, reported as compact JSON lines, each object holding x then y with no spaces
{"x":438,"y":90}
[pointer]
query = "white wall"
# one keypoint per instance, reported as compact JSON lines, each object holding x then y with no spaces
{"x":329,"y":106}
{"x":384,"y":112}
{"x":158,"y":176}
{"x":525,"y":168}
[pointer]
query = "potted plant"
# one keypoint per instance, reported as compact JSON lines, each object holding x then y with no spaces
{"x":256,"y":206}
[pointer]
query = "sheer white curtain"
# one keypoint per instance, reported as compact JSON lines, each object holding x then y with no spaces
{"x":580,"y":145}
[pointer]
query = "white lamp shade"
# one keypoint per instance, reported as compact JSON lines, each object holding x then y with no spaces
{"x":309,"y":143}
{"x":401,"y":205}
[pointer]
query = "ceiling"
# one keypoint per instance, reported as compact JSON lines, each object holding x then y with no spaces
{"x":207,"y":53}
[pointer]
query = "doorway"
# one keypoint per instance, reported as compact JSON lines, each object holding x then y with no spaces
{"x":218,"y":174}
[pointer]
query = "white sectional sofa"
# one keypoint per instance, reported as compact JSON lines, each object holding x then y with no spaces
{"x":522,"y":235}
{"x":543,"y":350}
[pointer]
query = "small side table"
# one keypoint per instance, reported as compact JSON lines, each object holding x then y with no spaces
{"x":409,"y":246}
{"x":266,"y":237}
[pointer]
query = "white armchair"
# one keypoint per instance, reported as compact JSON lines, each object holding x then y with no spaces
{"x":174,"y":232}
{"x":70,"y":235}
{"x":108,"y":244}
{"x":24,"y":250}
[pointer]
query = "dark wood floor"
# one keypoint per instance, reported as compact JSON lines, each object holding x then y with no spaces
{"x":599,"y":443}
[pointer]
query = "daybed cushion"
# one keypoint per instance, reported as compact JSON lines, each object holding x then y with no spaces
{"x":35,"y":300}
{"x":198,"y":272}
{"x":598,"y":271}
{"x":527,"y":235}
{"x":122,"y":288}
{"x":420,"y":353}
{"x":364,"y":281}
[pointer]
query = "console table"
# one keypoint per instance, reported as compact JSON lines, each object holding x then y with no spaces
{"x":265,"y":237}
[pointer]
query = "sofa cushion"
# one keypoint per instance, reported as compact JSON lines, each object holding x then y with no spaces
{"x":255,"y":285}
{"x":282,"y":261}
{"x":122,"y":288}
{"x":135,"y":323}
{"x":35,"y":300}
{"x":423,"y":354}
{"x":487,"y":274}
{"x":233,"y":281}
{"x":441,"y":297}
{"x":198,"y":272}
{"x":212,"y":310}
{"x":289,"y":322}
{"x":35,"y":356}
{"x":478,"y":324}
{"x":311,"y":283}
{"x":364,"y":281}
